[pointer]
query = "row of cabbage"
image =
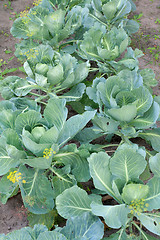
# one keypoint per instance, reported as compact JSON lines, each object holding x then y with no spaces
{"x":77,"y":53}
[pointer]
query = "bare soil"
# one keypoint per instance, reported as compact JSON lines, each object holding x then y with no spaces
{"x":13,"y":214}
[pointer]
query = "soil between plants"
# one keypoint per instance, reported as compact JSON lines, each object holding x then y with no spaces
{"x":13,"y":215}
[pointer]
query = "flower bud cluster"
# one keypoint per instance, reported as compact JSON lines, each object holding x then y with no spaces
{"x":48,"y":152}
{"x":24,"y":16}
{"x":37,"y":2}
{"x":31,"y":53}
{"x":15,"y":177}
{"x":138,"y":206}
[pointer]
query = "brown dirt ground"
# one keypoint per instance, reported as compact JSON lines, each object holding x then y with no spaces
{"x":13,"y":215}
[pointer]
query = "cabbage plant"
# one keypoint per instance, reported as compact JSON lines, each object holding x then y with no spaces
{"x":78,"y":52}
{"x":48,"y":72}
{"x":33,"y":155}
{"x":126,"y":107}
{"x":118,"y":176}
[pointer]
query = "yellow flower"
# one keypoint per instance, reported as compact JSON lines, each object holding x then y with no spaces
{"x":138,"y":206}
{"x":24,"y":13}
{"x":32,"y":53}
{"x":48,"y":152}
{"x":15,"y":177}
{"x":37,"y":2}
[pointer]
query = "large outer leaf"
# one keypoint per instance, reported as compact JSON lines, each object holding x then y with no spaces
{"x":26,"y":104}
{"x":7,"y":188}
{"x":127,"y":164}
{"x":153,"y":136}
{"x":86,"y":225}
{"x":150,"y":222}
{"x":32,"y":146}
{"x":75,"y":93}
{"x":51,"y":236}
{"x":134,"y":192}
{"x":78,"y":163}
{"x":28,"y":119}
{"x":145,"y":100}
{"x":7,"y":118}
{"x":26,"y":233}
{"x":148,"y":119}
{"x":37,"y":193}
{"x":153,"y":198}
{"x":99,"y":170}
{"x":115,"y":216}
{"x":74,"y":125}
{"x":20,"y":29}
{"x":47,"y":219}
{"x":12,"y":138}
{"x":126,"y":113}
{"x":9,"y":158}
{"x":154,"y":163}
{"x":73,"y":202}
{"x":56,"y":113}
{"x":19,"y":235}
{"x":62,"y":180}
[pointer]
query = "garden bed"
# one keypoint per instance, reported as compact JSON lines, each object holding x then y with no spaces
{"x":13,"y":214}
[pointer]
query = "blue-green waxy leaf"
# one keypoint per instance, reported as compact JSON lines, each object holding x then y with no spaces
{"x":124,"y":114}
{"x":28,"y":119}
{"x":78,"y":163}
{"x":54,"y":21}
{"x":22,"y":27}
{"x":154,"y":163}
{"x":148,"y":119}
{"x":85,"y":226}
{"x":10,"y":157}
{"x":62,"y":179}
{"x":148,"y":77}
{"x":134,"y":192}
{"x":151,"y":222}
{"x":27,"y":233}
{"x":56,"y":113}
{"x":153,"y":136}
{"x":73,"y":125}
{"x":53,"y":235}
{"x":36,"y":148}
{"x":7,"y":188}
{"x":25,"y":104}
{"x":145,"y":100}
{"x":75,"y":93}
{"x":73,"y":202}
{"x":12,"y":138}
{"x":127,"y":164}
{"x":45,"y":54}
{"x":153,"y":198}
{"x":115,"y":216}
{"x":19,"y":235}
{"x":7,"y":119}
{"x":100,"y":172}
{"x":36,"y":191}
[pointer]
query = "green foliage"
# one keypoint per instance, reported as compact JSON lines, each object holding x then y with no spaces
{"x":77,"y":52}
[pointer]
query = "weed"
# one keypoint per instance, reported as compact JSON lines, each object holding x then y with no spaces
{"x":155,"y":52}
{"x":8,"y":5}
{"x":137,"y":17}
{"x":157,"y":20}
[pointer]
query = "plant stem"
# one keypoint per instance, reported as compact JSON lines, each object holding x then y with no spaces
{"x":110,"y":145}
{"x":34,"y":179}
{"x":140,"y":230}
{"x":98,"y":20}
